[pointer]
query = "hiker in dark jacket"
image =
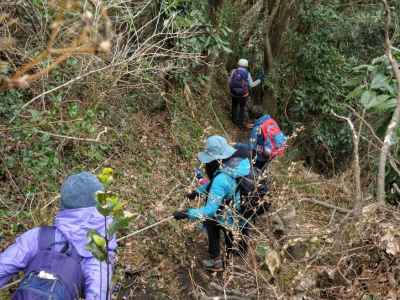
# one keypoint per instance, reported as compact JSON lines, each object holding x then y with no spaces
{"x":240,"y":81}
{"x":56,"y":257}
{"x":222,"y":168}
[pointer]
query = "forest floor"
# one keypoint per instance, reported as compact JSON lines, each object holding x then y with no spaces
{"x":165,"y":262}
{"x":298,"y":250}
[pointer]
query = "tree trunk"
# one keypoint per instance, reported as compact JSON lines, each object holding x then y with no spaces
{"x":396,"y":114}
{"x":213,"y":6}
{"x":277,"y":16}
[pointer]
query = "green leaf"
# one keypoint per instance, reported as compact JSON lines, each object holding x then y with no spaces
{"x":104,"y":209}
{"x":73,"y":110}
{"x":362,"y":67}
{"x":97,"y":253}
{"x":105,"y":179}
{"x":262,"y":249}
{"x":367,"y":97}
{"x":379,"y":100}
{"x":35,"y":115}
{"x":381,"y":82}
{"x":354,"y":82}
{"x":107,"y":171}
{"x":103,"y":196}
{"x":226,"y":49}
{"x":97,"y":245}
{"x":99,"y":240}
{"x":388,"y":105}
{"x":356,"y":93}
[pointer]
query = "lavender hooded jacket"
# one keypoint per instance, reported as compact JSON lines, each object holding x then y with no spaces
{"x":74,"y":224}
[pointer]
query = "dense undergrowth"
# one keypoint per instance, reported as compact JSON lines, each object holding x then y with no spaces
{"x":148,"y":115}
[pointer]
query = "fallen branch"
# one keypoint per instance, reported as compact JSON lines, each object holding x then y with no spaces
{"x":331,"y":206}
{"x":96,"y":140}
{"x":229,"y":293}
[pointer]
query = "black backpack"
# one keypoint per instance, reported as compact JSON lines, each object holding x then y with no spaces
{"x":252,"y":189}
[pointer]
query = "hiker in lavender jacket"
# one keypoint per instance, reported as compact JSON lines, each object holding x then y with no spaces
{"x":77,"y":215}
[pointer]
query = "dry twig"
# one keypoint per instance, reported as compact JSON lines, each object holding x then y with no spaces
{"x":356,"y":160}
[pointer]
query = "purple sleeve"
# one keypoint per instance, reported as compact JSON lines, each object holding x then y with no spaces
{"x":230,"y":76}
{"x":16,"y":257}
{"x":252,"y":83}
{"x":95,"y":276}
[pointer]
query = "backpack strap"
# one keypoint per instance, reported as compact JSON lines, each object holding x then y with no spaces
{"x":46,"y":241}
{"x":69,"y":248}
{"x":212,"y":181}
{"x":46,"y":238}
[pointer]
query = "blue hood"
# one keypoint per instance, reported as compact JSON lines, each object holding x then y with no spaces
{"x":75,"y":224}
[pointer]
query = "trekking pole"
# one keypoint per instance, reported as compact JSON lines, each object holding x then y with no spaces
{"x":7,"y":286}
{"x":145,"y":228}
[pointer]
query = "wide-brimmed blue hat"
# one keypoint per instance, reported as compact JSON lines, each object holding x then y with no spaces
{"x":217,"y":147}
{"x":79,"y":191}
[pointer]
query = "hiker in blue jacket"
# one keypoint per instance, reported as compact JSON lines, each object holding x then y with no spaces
{"x":55,"y":260}
{"x":266,"y":140}
{"x":240,"y":81}
{"x":223,"y":200}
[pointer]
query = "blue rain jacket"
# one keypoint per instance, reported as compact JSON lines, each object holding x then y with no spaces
{"x":223,"y":187}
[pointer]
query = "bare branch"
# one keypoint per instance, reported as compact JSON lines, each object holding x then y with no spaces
{"x":356,"y":160}
{"x":96,"y":140}
{"x":331,"y":206}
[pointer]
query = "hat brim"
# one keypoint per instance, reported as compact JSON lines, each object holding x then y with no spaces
{"x":205,"y":157}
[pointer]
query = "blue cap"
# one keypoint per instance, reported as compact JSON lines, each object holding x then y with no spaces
{"x":79,"y":191}
{"x":217,"y":147}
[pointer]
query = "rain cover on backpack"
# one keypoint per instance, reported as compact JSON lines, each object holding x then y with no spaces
{"x":267,"y":138}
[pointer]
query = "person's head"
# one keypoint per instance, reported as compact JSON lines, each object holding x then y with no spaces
{"x":258,"y":112}
{"x":244,"y":63}
{"x":212,"y":167}
{"x":216,"y":149}
{"x":79,"y":191}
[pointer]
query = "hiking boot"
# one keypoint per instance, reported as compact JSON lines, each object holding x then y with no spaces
{"x":215,"y":265}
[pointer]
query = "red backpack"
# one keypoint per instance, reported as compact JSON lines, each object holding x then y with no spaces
{"x":274,"y":139}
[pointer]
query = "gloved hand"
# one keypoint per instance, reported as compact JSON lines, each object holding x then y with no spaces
{"x":192,"y":195}
{"x":198,"y":173}
{"x":261,"y":77}
{"x":180,"y":214}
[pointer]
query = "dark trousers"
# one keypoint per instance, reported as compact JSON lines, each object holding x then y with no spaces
{"x":239,"y":110}
{"x":214,"y":234}
{"x":261,"y":164}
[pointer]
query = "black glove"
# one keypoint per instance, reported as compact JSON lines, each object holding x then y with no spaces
{"x":180,"y":215}
{"x":261,"y":77}
{"x":192,"y":195}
